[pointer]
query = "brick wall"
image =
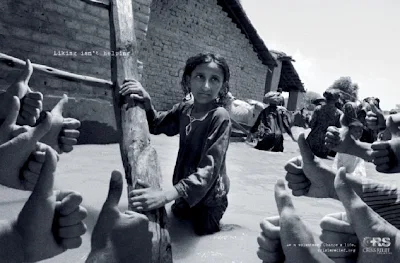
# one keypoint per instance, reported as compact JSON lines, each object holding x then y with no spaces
{"x":39,"y":29}
{"x":42,"y":29}
{"x":177,"y":32}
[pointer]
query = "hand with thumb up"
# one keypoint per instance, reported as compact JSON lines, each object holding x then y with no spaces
{"x":63,"y":134}
{"x":375,"y":119}
{"x":50,"y":221}
{"x":286,"y":238}
{"x":120,"y":237}
{"x":307,"y":175}
{"x":371,"y":229}
{"x":386,"y":154}
{"x":16,"y":145}
{"x":31,"y":102}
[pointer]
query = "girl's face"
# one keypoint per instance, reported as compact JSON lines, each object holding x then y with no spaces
{"x":206,"y":81}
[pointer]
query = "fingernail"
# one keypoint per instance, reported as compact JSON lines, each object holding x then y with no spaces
{"x":115,"y":176}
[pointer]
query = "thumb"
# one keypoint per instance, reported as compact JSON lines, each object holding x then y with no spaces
{"x":282,"y":198}
{"x":27,"y":73}
{"x":42,"y":127}
{"x":115,"y":190}
{"x":143,"y":183}
{"x":374,"y":109}
{"x":58,"y":109}
{"x":44,"y":185}
{"x":305,"y":150}
{"x":13,"y":112}
{"x":356,"y":209}
{"x":393,"y":126}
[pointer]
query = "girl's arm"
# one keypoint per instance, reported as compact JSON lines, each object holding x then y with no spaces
{"x":166,"y":122}
{"x":159,"y":122}
{"x":195,"y":186}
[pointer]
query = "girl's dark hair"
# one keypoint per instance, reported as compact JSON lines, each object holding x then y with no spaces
{"x":202,"y":58}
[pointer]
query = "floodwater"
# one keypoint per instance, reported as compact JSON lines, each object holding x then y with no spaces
{"x":253,"y":174}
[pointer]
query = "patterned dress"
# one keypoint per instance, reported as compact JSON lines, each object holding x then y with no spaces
{"x":200,"y":170}
{"x":323,"y":117}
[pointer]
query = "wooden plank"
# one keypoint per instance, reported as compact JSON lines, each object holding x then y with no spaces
{"x":238,"y":126}
{"x":61,"y":74}
{"x":139,"y":157}
{"x":100,"y":3}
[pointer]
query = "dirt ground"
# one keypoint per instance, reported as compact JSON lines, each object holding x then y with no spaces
{"x":253,"y":174}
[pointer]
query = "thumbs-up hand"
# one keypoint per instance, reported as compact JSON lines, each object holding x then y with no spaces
{"x":63,"y":134}
{"x":393,"y":124}
{"x":269,"y":241}
{"x":295,"y":238}
{"x":31,"y":102}
{"x":339,"y":139}
{"x":375,"y":119}
{"x":16,"y":145}
{"x":337,"y":232}
{"x":40,"y":234}
{"x":307,"y":175}
{"x":294,"y":232}
{"x":386,"y":154}
{"x":372,"y":230}
{"x":127,"y":233}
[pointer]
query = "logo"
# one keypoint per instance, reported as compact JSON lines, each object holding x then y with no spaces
{"x":379,"y":245}
{"x":376,"y":242}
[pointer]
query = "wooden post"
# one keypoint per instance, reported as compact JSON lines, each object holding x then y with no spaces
{"x":139,"y":157}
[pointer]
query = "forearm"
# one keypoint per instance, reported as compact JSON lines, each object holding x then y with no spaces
{"x":11,"y":249}
{"x":362,"y":150}
{"x":151,"y":112}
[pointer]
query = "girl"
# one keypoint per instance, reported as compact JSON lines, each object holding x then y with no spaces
{"x":200,"y":181}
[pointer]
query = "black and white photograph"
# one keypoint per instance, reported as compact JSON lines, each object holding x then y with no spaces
{"x":199,"y":131}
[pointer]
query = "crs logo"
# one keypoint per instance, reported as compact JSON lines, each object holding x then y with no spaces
{"x":376,"y":242}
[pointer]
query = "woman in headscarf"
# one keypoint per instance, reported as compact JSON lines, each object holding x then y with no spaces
{"x":270,"y":125}
{"x":324,"y":116}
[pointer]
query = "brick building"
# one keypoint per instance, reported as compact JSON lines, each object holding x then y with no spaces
{"x":74,"y":36}
{"x":284,"y":76}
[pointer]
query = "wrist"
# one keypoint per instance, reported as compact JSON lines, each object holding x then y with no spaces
{"x":11,"y":243}
{"x":148,"y":106}
{"x":171,"y":195}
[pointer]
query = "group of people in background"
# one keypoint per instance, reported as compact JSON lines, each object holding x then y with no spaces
{"x":52,"y":220}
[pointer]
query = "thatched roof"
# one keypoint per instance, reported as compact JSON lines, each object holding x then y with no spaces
{"x":237,"y":14}
{"x":290,"y":80}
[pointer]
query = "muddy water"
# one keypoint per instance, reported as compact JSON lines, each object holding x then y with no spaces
{"x":253,"y":175}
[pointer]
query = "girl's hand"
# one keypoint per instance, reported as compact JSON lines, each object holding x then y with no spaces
{"x":133,"y":90}
{"x":147,"y":199}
